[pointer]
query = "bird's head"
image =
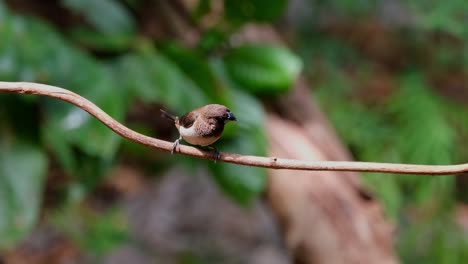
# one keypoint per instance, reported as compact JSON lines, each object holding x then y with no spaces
{"x":219,"y":112}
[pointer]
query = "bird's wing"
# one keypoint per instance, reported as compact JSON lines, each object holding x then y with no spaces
{"x":188,"y":119}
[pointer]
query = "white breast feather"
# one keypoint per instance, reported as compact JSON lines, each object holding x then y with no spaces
{"x":189,"y":135}
{"x":187,"y":132}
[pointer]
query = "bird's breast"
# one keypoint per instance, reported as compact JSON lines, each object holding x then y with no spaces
{"x":193,"y":137}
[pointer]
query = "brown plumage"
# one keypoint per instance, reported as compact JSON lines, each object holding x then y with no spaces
{"x":202,"y":126}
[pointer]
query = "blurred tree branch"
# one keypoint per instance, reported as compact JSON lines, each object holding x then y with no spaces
{"x":266,"y":162}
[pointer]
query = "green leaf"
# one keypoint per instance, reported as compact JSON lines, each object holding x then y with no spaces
{"x":155,"y":78}
{"x":349,"y":8}
{"x":22,"y":170}
{"x":438,"y":16}
{"x":78,"y":127}
{"x":3,"y":11}
{"x":211,"y":39}
{"x":107,"y":16}
{"x":242,"y":11}
{"x":262,"y":68}
{"x":203,"y":8}
{"x":193,"y":65}
{"x":52,"y":136}
{"x":241,"y":183}
{"x":421,"y":120}
{"x":95,"y":231}
{"x":98,"y":41}
{"x":426,"y":136}
{"x":54,"y":61}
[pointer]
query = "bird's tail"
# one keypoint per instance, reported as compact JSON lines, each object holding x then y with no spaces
{"x":168,"y":115}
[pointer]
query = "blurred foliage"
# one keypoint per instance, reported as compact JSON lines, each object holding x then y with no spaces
{"x":387,"y":73}
{"x":20,"y":188}
{"x":263,"y":69}
{"x":242,"y":11}
{"x":102,"y":56}
{"x":96,"y":232}
{"x":394,"y":86}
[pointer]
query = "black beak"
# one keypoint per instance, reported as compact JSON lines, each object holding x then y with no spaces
{"x":231,"y":117}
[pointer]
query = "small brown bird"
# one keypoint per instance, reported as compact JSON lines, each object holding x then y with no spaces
{"x":202,"y":126}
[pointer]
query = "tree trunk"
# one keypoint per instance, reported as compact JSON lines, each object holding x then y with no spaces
{"x":327,"y":217}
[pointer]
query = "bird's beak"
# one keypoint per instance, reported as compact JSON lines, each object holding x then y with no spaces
{"x":231,"y":117}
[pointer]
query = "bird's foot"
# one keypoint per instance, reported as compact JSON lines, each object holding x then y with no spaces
{"x":215,"y":152}
{"x":175,"y":145}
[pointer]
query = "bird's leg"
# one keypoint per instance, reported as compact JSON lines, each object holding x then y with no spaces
{"x":217,"y":155}
{"x":176,"y":144}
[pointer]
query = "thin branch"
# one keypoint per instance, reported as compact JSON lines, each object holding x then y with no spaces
{"x":266,"y":162}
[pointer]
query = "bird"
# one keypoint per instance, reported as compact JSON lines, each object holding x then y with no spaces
{"x":202,"y":126}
